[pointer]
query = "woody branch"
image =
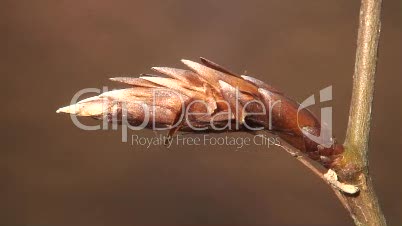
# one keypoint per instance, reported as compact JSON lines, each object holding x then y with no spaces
{"x":364,"y":207}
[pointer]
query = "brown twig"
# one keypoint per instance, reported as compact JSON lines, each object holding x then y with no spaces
{"x":364,"y":207}
{"x":306,"y":162}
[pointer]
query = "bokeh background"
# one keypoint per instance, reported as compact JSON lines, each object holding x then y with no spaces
{"x":53,"y":173}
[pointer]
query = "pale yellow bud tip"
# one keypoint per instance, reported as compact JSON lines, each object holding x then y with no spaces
{"x":88,"y":107}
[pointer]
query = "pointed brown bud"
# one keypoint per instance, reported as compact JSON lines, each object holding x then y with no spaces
{"x":206,"y":97}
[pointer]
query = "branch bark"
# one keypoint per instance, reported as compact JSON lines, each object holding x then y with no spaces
{"x":363,"y":207}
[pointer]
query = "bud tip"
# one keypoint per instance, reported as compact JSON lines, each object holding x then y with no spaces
{"x":66,"y":109}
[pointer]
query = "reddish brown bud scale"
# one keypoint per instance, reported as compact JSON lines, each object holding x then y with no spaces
{"x":215,"y":98}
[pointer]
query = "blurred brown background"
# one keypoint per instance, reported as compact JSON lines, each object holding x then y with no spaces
{"x":53,"y":173}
